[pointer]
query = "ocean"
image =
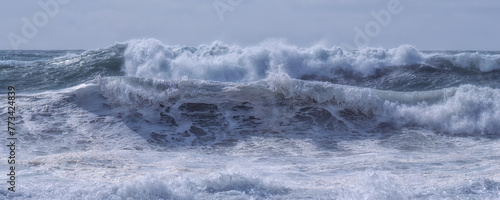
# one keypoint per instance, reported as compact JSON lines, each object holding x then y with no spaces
{"x":145,"y":120}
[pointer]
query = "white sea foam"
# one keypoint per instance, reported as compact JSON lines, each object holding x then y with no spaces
{"x":149,"y":58}
{"x":471,"y":110}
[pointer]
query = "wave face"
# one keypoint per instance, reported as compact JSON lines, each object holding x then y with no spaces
{"x":142,"y":119}
{"x":284,"y":103}
{"x":48,"y":70}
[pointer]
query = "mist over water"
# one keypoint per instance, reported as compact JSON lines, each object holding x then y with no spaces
{"x":146,"y":120}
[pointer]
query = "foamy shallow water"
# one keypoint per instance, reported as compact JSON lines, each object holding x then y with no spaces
{"x":74,"y":148}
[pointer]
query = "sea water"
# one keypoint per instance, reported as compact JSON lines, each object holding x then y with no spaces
{"x":146,"y":120}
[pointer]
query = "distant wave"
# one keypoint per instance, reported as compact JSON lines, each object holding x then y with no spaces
{"x":150,"y":58}
{"x":403,"y":68}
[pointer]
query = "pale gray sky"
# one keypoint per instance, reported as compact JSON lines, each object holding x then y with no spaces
{"x":90,"y":24}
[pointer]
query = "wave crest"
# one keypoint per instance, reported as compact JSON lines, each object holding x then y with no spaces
{"x":150,"y":58}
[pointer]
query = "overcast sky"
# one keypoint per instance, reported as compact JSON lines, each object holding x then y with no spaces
{"x":90,"y":24}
